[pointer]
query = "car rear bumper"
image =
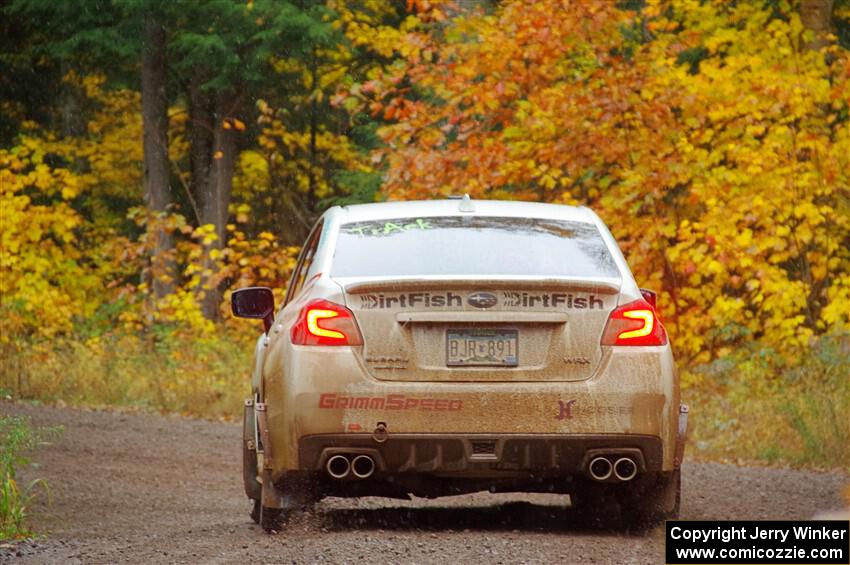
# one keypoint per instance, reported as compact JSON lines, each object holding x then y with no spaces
{"x":326,"y":394}
{"x":481,"y":455}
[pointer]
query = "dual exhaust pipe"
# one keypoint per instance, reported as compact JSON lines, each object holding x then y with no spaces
{"x":341,"y":466}
{"x":361,"y":467}
{"x":623,"y":469}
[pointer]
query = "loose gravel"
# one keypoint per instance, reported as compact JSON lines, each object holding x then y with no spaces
{"x":141,"y":488}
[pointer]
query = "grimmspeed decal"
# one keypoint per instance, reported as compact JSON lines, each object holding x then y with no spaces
{"x":330,"y":400}
{"x":508,"y":299}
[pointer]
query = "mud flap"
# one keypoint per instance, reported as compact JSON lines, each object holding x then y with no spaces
{"x":681,"y":436}
{"x":650,"y":499}
{"x":253,"y":488}
{"x":263,"y":434}
{"x":271,"y":496}
{"x":286,"y":496}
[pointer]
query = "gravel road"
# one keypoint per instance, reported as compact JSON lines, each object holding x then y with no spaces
{"x":143,"y":488}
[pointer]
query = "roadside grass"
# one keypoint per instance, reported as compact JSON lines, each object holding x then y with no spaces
{"x":16,"y":439}
{"x":166,"y":370}
{"x":756,"y":409}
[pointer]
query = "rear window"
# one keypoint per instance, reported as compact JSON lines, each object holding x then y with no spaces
{"x":471,"y":245}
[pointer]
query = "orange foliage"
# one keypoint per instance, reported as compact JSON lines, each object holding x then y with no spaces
{"x":714,"y":145}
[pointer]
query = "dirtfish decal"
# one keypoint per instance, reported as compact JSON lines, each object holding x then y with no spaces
{"x":510,"y":300}
{"x":411,"y":300}
{"x":551,"y":300}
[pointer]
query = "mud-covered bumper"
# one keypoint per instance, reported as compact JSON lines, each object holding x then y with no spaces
{"x":633,"y":397}
{"x":480,"y":455}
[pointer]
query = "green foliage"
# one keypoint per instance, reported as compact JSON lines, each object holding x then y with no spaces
{"x":751,"y":407}
{"x":361,"y":187}
{"x":232,"y":44}
{"x":82,"y":27}
{"x":16,"y":439}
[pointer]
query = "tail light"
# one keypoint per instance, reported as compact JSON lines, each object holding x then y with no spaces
{"x":322,"y":322}
{"x":634,"y":324}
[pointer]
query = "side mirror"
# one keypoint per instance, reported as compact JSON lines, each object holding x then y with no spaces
{"x":650,"y":296}
{"x":254,"y":302}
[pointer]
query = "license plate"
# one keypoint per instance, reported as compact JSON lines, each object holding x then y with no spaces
{"x":469,"y":348}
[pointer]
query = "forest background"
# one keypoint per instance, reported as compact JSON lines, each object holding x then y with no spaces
{"x":155,"y":155}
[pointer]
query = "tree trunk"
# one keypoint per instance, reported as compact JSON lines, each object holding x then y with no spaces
{"x":200,"y":135}
{"x":816,"y":16}
{"x":314,"y":125}
{"x":73,"y":116}
{"x":156,"y":178}
{"x":214,"y":199}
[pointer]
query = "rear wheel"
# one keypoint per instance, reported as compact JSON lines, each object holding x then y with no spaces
{"x":255,"y":511}
{"x":595,"y":504}
{"x":271,"y":506}
{"x":271,"y":519}
{"x":651,"y":499}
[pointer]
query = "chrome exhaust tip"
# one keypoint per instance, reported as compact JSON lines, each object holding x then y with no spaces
{"x":363,"y":466}
{"x":338,"y":466}
{"x":625,"y":469}
{"x":600,"y":469}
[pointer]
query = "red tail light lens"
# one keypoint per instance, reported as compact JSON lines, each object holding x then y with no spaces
{"x":323,"y":322}
{"x":634,"y":324}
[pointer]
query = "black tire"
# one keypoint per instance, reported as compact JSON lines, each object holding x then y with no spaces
{"x":271,"y":519}
{"x":649,"y":500}
{"x":255,"y":511}
{"x":595,"y":505}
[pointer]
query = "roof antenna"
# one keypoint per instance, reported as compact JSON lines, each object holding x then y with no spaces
{"x":466,"y":204}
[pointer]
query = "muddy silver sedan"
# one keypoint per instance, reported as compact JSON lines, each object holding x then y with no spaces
{"x":444,"y":347}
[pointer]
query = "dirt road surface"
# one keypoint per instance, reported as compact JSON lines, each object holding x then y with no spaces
{"x":142,"y":488}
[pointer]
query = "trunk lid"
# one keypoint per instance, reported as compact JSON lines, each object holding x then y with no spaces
{"x":510,"y":329}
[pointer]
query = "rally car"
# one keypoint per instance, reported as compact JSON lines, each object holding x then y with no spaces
{"x":443,"y":347}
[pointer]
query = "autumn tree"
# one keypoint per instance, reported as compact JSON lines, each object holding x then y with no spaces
{"x":156,"y":162}
{"x":221,"y":53}
{"x":816,"y":15}
{"x":215,"y":58}
{"x":117,"y":37}
{"x":709,"y":136}
{"x":313,"y":147}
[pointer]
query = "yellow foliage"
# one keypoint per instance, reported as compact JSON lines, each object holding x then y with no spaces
{"x":362,"y":25}
{"x":42,"y":284}
{"x":718,"y":151}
